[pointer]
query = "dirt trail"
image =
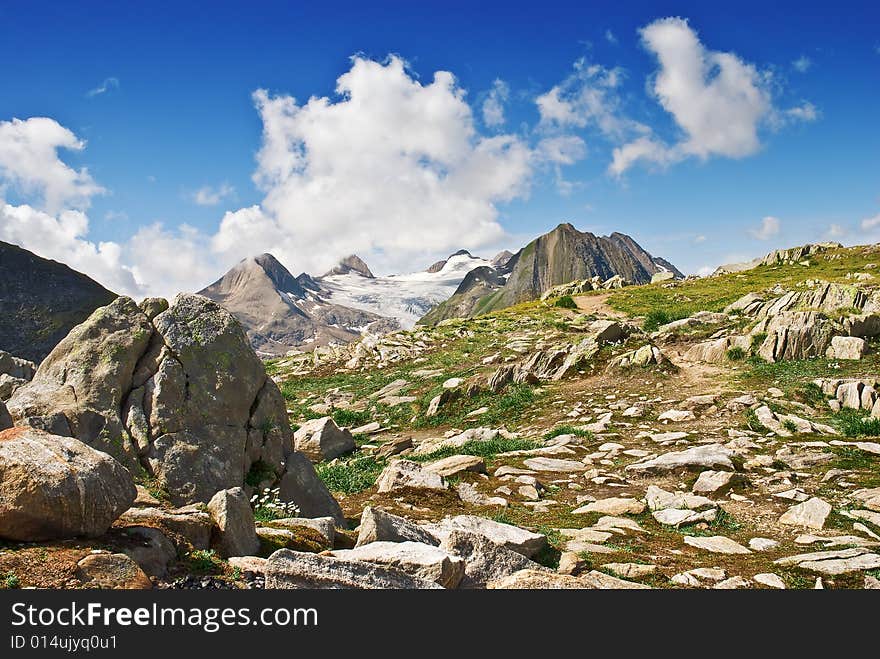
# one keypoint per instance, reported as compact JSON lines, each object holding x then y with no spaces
{"x":597,"y":304}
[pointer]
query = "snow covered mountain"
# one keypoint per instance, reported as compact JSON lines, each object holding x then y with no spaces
{"x":403,"y":297}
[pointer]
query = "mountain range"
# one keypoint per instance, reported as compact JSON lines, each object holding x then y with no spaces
{"x":280,"y":312}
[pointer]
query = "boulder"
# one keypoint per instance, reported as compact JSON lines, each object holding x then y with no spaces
{"x":509,"y":536}
{"x":402,"y":474}
{"x":795,"y":335}
{"x":417,"y":559}
{"x":717,"y":544}
{"x":180,"y":394}
{"x":612,"y":506}
{"x":5,"y":418}
{"x":54,"y":487}
{"x":846,"y":347}
{"x":378,"y":525}
{"x":153,"y":551}
{"x":111,"y":571}
{"x":301,"y":486}
{"x":718,"y":482}
{"x":233,"y":523}
{"x":455,"y":465}
{"x":485,"y":560}
{"x":16,"y":367}
{"x":833,"y":562}
{"x":288,"y":569}
{"x":188,"y":528}
{"x":811,"y":513}
{"x":322,"y":439}
{"x":529,"y":579}
{"x":325,"y":526}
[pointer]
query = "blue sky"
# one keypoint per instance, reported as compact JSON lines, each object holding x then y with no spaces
{"x":161,"y":101}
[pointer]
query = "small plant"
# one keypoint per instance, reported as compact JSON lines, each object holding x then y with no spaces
{"x":655,"y":319}
{"x":566,"y":302}
{"x":568,"y":430}
{"x":9,"y":581}
{"x":790,"y":426}
{"x":352,"y":475}
{"x":736,"y":354}
{"x":481,"y":448}
{"x":856,"y":423}
{"x":268,"y":506}
{"x":350,"y":418}
{"x":757,"y":340}
{"x":752,"y":423}
{"x":204,"y":561}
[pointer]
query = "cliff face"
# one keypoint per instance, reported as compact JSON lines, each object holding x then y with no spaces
{"x":41,"y":301}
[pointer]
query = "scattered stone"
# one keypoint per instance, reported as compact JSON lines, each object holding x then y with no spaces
{"x":631,"y":570}
{"x":301,"y":486}
{"x":154,"y":551}
{"x":811,"y":514}
{"x":762,"y":544}
{"x":509,"y":536}
{"x":770,"y":580}
{"x":402,"y":474}
{"x":697,"y":458}
{"x":717,"y":544}
{"x":455,"y":465}
{"x":677,"y":416}
{"x":321,"y":439}
{"x":718,"y":482}
{"x":612,"y":506}
{"x":554,"y":464}
{"x":530,"y":579}
{"x":846,"y":347}
{"x":485,"y":560}
{"x":835,"y":561}
{"x":111,"y":571}
{"x":378,"y":525}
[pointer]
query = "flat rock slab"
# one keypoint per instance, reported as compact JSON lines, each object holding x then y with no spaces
{"x":539,"y":580}
{"x":512,"y":537}
{"x":812,"y":514}
{"x":612,"y":506}
{"x":697,"y":458}
{"x":485,"y":561}
{"x":717,"y":544}
{"x":414,"y":558}
{"x":378,"y":525}
{"x":408,"y":474}
{"x":554,"y":464}
{"x":457,"y":464}
{"x":835,"y":561}
{"x":288,"y":569}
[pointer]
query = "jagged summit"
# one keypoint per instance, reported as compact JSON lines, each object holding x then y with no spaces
{"x":351,"y":263}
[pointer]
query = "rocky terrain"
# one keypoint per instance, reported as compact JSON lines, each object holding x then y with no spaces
{"x":706,"y":433}
{"x":41,"y":300}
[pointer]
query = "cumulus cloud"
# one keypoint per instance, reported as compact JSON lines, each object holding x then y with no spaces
{"x":62,"y":237}
{"x":392,"y":168}
{"x":211,"y":196}
{"x":610,"y":37}
{"x":769,"y":228}
{"x":699,"y":239}
{"x":802,"y":64}
{"x":30,"y":163}
{"x":870,"y":223}
{"x":493,"y":105}
{"x":104,"y":87}
{"x":717,"y":100}
{"x":588,"y":97}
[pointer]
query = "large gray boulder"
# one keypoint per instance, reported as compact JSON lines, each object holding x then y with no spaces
{"x":302,"y":486}
{"x":174,"y":390}
{"x":321,"y":439}
{"x":5,"y":418}
{"x":795,"y":335}
{"x":16,"y":367}
{"x":55,"y":487}
{"x":380,"y":526}
{"x":485,"y":560}
{"x":415,"y":558}
{"x":298,"y":570}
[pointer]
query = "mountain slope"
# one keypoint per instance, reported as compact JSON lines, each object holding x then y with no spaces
{"x":41,"y":301}
{"x":280,"y":312}
{"x":558,"y":257}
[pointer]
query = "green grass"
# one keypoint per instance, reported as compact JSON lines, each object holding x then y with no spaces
{"x":857,"y":423}
{"x":715,"y":293}
{"x":483,"y":449}
{"x":259,"y":472}
{"x":349,"y":476}
{"x":568,"y":430}
{"x":9,"y":581}
{"x":736,"y":354}
{"x":657,"y":317}
{"x":204,"y":561}
{"x":566,"y":302}
{"x":752,"y":423}
{"x":351,"y":418}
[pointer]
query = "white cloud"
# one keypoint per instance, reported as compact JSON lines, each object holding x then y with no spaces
{"x":838,"y":231}
{"x":718,"y":100}
{"x":769,"y":228}
{"x":802,"y":64}
{"x":493,"y":105}
{"x":210,"y":196}
{"x":610,"y":37}
{"x":29,"y":161}
{"x":871,"y":222}
{"x":589,"y":97}
{"x":705,"y":271}
{"x":62,"y":237}
{"x":699,"y":239}
{"x":104,"y":87}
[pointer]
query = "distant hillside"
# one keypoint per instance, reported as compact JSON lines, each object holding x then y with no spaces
{"x":558,"y":257}
{"x":41,"y":301}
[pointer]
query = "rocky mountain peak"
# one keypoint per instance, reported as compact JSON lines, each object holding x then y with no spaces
{"x":351,"y":263}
